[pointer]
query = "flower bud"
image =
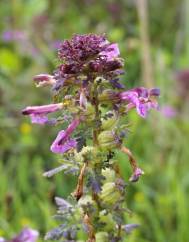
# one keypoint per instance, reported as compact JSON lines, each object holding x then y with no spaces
{"x":101,"y":236}
{"x":109,"y":122}
{"x":108,"y":139}
{"x":107,"y":96}
{"x":109,"y":194}
{"x":89,"y":113}
{"x":106,"y":218}
{"x":109,"y":174}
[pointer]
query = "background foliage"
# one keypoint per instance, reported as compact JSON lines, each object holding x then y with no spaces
{"x":159,"y":202}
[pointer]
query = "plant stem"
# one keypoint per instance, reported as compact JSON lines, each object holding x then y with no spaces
{"x":79,"y":189}
{"x":131,"y":157}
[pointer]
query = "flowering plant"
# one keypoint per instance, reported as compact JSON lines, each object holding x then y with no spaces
{"x":88,"y":93}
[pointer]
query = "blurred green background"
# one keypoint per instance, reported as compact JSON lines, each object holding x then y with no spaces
{"x":154,"y":40}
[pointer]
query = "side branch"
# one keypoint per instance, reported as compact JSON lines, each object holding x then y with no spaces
{"x":137,"y":172}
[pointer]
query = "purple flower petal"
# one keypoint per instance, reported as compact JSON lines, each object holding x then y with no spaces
{"x":140,"y":98}
{"x":27,"y":235}
{"x":38,"y":113}
{"x":45,"y":109}
{"x":38,"y":118}
{"x":68,"y":144}
{"x":111,"y":52}
{"x":116,"y":84}
{"x":154,"y":92}
{"x":141,"y":91}
{"x":129,"y":227}
{"x":135,"y":176}
{"x":142,"y":109}
{"x":63,"y":143}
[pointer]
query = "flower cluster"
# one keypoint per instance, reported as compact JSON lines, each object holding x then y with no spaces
{"x":88,"y":94}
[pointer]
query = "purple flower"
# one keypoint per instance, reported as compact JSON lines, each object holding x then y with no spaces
{"x":141,"y":98}
{"x":168,"y":111}
{"x":63,"y":142}
{"x":13,"y":35}
{"x":44,"y":80}
{"x":129,"y":227}
{"x":135,"y":176}
{"x":111,"y":52}
{"x":81,"y":47}
{"x":38,"y":113}
{"x":27,"y":235}
{"x":62,"y":204}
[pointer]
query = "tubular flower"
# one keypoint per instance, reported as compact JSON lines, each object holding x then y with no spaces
{"x":63,"y":142}
{"x":44,"y":80}
{"x":38,"y":113}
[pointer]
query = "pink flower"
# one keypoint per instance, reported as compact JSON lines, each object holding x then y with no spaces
{"x":38,"y":113}
{"x":141,"y":98}
{"x":111,"y":52}
{"x":63,"y":142}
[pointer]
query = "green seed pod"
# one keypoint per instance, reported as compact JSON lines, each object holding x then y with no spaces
{"x":109,"y":174}
{"x":109,"y":123}
{"x":78,"y":214}
{"x":106,"y":137}
{"x":109,"y":193}
{"x":101,"y":237}
{"x":88,"y":152}
{"x":107,"y":219}
{"x":89,"y":113}
{"x":107,"y":96}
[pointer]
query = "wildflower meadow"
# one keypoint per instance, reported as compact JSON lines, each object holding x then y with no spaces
{"x":94,"y":121}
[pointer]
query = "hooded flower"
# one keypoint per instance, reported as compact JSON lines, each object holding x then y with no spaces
{"x":63,"y":142}
{"x":38,"y":113}
{"x":141,"y":98}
